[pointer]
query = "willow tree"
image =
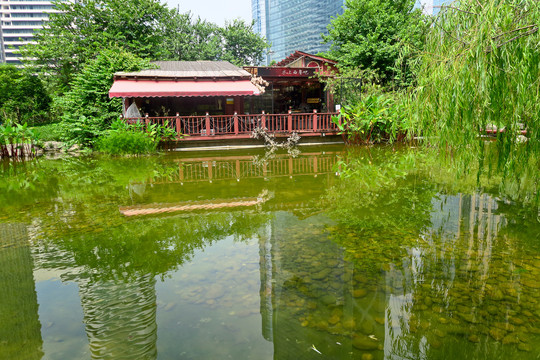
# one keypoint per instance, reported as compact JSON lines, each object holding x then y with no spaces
{"x":481,"y":69}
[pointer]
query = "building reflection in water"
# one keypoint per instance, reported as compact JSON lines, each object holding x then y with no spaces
{"x":20,"y":329}
{"x":120,"y":317}
{"x":452,"y":287}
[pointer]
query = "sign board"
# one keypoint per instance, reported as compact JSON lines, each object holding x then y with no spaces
{"x":285,"y":72}
{"x":313,"y":100}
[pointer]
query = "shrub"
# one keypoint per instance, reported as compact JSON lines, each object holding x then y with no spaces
{"x":374,"y":118}
{"x":126,"y":140}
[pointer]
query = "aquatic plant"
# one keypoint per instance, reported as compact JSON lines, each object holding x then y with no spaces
{"x":16,"y":140}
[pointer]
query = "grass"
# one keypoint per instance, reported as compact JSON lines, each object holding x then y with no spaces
{"x":48,"y":132}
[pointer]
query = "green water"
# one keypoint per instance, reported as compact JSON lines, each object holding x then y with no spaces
{"x":331,"y":254}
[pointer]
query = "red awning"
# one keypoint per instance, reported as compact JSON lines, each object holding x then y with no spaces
{"x":172,"y":88}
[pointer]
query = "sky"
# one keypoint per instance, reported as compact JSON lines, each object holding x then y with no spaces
{"x":216,"y":11}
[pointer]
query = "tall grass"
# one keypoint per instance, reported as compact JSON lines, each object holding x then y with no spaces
{"x":481,"y":68}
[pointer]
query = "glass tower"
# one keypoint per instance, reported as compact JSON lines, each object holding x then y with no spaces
{"x":291,"y":25}
{"x":431,"y":7}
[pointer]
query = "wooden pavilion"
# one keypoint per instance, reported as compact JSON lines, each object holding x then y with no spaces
{"x":212,"y":100}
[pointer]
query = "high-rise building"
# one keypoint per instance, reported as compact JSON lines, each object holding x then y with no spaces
{"x":431,"y":7}
{"x":19,"y":20}
{"x":291,"y":25}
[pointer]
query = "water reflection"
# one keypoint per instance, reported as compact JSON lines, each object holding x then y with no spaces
{"x":231,"y":256}
{"x":20,"y":332}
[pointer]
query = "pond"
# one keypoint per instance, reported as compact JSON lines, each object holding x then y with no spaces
{"x":333,"y":253}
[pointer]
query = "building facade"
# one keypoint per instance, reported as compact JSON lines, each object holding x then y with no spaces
{"x":291,"y":25}
{"x":19,"y":20}
{"x":431,"y":7}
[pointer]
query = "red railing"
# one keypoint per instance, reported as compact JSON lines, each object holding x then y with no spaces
{"x":206,"y":127}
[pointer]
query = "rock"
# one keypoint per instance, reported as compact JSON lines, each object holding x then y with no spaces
{"x":366,"y":327}
{"x":497,"y":294}
{"x":362,"y":342}
{"x":439,"y":333}
{"x":516,"y":321}
{"x":497,"y":334}
{"x":533,"y":284}
{"x":52,"y":146}
{"x":333,"y":320}
{"x":359,"y":293}
{"x":328,"y":299}
{"x":474,"y":338}
{"x":510,"y":339}
{"x":74,"y":148}
{"x":524,"y":347}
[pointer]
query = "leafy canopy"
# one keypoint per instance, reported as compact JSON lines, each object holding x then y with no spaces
{"x":378,"y":35}
{"x":145,"y":28}
{"x":87,"y":109}
{"x":23,"y":98}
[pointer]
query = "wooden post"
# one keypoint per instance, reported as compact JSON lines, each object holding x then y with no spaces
{"x":314,"y":120}
{"x":209,"y":164}
{"x":181,"y":171}
{"x":290,"y":167}
{"x":236,"y":123}
{"x":263,"y":120}
{"x":146,"y":120}
{"x":237,"y":170}
{"x":289,"y":121}
{"x":178,"y":126}
{"x":315,"y":165}
{"x":207,"y":124}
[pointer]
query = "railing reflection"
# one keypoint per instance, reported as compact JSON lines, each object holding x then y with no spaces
{"x":240,"y":167}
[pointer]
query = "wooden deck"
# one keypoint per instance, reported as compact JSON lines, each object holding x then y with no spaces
{"x":215,"y":127}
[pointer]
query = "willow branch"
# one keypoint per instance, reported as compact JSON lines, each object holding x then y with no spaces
{"x":513,"y":31}
{"x":458,"y":9}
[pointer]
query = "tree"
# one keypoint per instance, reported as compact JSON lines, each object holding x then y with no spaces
{"x":145,"y":28}
{"x":480,"y":69}
{"x":81,"y":29}
{"x":378,"y":35}
{"x":190,"y":40}
{"x":241,"y":46}
{"x":87,"y":111}
{"x":23,"y":97}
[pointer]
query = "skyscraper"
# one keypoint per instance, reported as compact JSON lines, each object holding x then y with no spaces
{"x":431,"y":7}
{"x":291,"y":25}
{"x":19,"y":20}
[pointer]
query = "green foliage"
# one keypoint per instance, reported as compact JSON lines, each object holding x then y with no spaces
{"x":127,"y":139}
{"x":82,"y":29}
{"x":378,"y":35}
{"x":374,"y":118}
{"x":23,"y":97}
{"x":147,"y":28}
{"x":87,"y":109}
{"x":241,"y":46}
{"x":48,"y":132}
{"x":201,"y":40}
{"x":480,"y":68}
